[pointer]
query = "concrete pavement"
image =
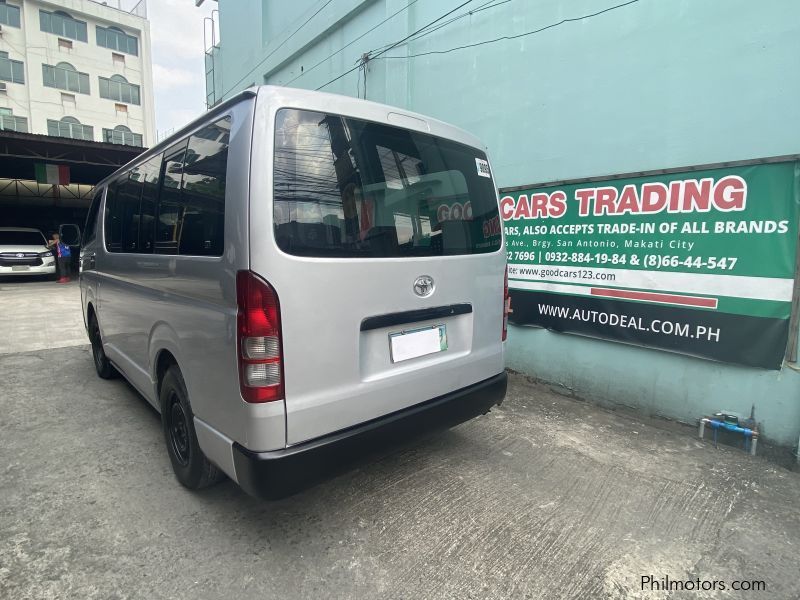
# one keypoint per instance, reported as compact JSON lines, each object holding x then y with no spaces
{"x":545,"y":497}
{"x":37,"y":314}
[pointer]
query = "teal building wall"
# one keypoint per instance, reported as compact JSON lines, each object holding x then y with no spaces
{"x":568,"y":90}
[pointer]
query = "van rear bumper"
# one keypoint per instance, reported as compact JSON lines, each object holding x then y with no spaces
{"x":280,"y":473}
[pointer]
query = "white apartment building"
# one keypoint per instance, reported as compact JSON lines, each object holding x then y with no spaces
{"x":79,"y":69}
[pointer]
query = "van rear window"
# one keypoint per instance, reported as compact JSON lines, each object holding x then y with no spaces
{"x":350,"y":188}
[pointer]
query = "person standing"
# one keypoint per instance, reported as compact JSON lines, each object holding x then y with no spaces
{"x":63,"y":257}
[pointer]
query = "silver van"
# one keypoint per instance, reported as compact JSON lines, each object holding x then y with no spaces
{"x":296,"y":277}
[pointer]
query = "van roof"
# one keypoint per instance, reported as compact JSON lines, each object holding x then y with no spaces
{"x":33,"y":229}
{"x":338,"y":104}
{"x":182,"y":132}
{"x":333,"y":103}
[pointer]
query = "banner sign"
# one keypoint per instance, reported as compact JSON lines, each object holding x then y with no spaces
{"x":700,"y":262}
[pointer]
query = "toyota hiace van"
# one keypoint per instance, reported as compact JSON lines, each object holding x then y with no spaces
{"x":295,"y":277}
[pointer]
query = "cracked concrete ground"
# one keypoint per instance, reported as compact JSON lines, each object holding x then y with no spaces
{"x":545,"y":497}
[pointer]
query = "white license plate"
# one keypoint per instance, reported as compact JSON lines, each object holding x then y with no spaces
{"x":405,"y":345}
{"x":20,"y":268}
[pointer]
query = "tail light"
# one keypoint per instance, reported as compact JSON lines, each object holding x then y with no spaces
{"x":258,"y":339}
{"x":506,"y":305}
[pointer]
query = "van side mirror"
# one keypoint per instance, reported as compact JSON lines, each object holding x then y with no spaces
{"x":70,"y":234}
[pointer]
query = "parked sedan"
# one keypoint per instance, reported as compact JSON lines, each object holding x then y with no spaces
{"x":24,"y":251}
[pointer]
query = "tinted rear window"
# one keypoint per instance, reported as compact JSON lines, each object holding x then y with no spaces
{"x":351,"y":188}
{"x":22,"y":238}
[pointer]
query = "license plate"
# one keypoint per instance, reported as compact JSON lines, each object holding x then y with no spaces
{"x":405,"y":345}
{"x":20,"y":268}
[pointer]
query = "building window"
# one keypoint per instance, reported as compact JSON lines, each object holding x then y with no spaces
{"x":122,"y":135}
{"x":9,"y":14}
{"x":8,"y":122}
{"x":70,"y":127}
{"x":116,"y":39}
{"x":65,"y":77}
{"x":11,"y":70}
{"x":62,"y":24}
{"x":117,"y":88}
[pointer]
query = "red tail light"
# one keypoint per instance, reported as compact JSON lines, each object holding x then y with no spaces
{"x":258,"y":339}
{"x":506,"y":305}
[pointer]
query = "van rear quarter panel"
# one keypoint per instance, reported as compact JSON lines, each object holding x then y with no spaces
{"x":335,"y":375}
{"x":187,"y":305}
{"x":207,"y":314}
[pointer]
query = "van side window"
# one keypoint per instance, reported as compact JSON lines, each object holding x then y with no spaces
{"x":191,"y":208}
{"x":170,"y":209}
{"x":149,"y":177}
{"x":113,"y":225}
{"x":126,"y":209}
{"x":90,"y":230}
{"x":130,"y":209}
{"x":202,"y":233}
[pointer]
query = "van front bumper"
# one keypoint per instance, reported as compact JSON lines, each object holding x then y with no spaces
{"x":280,"y":473}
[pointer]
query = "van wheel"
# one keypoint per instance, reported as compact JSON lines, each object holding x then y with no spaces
{"x":191,"y":466}
{"x":101,"y":363}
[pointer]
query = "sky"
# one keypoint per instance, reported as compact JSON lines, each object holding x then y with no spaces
{"x":176,"y":30}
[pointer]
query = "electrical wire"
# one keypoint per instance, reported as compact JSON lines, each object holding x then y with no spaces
{"x":330,"y":56}
{"x":263,"y":60}
{"x":447,"y":14}
{"x":511,"y":37}
{"x":480,"y":8}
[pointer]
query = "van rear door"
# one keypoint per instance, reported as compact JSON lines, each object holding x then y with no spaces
{"x":386,"y":255}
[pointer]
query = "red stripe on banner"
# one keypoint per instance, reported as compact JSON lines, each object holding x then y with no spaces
{"x":654,"y":297}
{"x":63,"y":175}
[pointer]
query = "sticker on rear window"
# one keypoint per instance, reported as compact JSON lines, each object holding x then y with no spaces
{"x":483,"y":167}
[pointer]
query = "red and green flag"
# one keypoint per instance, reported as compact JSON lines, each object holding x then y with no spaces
{"x":52,"y":174}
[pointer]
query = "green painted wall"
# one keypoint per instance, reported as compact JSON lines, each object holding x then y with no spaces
{"x":651,"y":85}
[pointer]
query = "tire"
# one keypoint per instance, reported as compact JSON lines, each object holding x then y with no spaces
{"x":101,"y":363}
{"x":192,"y":469}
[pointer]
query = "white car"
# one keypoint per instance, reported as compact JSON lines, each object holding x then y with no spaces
{"x":24,"y":251}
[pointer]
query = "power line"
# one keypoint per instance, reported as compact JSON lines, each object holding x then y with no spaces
{"x":365,"y":58}
{"x":512,"y":37}
{"x":482,"y":7}
{"x":447,"y":14}
{"x":263,"y":60}
{"x":352,"y":42}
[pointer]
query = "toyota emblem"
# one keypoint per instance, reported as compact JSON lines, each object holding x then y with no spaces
{"x":423,"y":286}
{"x":20,"y":255}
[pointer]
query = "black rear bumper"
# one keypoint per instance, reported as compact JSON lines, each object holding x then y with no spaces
{"x":280,"y":473}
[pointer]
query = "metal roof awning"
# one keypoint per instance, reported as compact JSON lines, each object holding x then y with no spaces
{"x":88,"y":162}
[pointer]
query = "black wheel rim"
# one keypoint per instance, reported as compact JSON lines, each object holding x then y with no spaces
{"x":178,"y":429}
